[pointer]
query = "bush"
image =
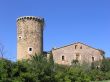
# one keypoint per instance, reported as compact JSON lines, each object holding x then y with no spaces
{"x":38,"y":69}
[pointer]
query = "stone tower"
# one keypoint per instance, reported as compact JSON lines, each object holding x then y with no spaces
{"x":29,"y":36}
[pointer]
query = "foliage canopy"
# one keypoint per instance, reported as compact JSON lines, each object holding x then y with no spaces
{"x":39,"y":69}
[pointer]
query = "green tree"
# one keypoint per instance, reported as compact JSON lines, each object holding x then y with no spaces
{"x":105,"y":66}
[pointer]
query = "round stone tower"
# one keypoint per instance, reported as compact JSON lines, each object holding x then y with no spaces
{"x":29,"y":36}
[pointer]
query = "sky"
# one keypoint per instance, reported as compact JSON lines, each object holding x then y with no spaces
{"x":66,"y":22}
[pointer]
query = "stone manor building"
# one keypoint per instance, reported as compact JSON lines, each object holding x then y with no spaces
{"x":77,"y":51}
{"x":30,"y":41}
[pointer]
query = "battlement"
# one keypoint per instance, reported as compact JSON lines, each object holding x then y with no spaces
{"x":40,"y":19}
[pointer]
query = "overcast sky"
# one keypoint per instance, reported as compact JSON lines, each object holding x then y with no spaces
{"x":66,"y":22}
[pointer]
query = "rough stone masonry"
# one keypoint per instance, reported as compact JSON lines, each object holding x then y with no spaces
{"x":30,"y":41}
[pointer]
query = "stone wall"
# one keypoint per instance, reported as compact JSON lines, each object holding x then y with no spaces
{"x":75,"y":51}
{"x":29,"y":36}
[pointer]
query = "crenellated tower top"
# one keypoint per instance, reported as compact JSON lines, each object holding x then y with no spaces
{"x":40,"y":19}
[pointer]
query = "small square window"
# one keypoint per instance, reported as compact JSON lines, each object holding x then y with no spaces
{"x":30,"y":49}
{"x":20,"y":37}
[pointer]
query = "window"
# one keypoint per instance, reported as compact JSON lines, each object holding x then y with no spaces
{"x":75,"y":46}
{"x":80,"y":47}
{"x":92,"y":59}
{"x":30,"y":49}
{"x":77,"y":56}
{"x":20,"y":37}
{"x":63,"y":58}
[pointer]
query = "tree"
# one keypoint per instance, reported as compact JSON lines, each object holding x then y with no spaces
{"x":105,"y":66}
{"x":2,"y":52}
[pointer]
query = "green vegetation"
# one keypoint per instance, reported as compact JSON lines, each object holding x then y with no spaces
{"x":102,"y":81}
{"x":39,"y":69}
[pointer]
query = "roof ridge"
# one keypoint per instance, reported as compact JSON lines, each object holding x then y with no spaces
{"x":76,"y":43}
